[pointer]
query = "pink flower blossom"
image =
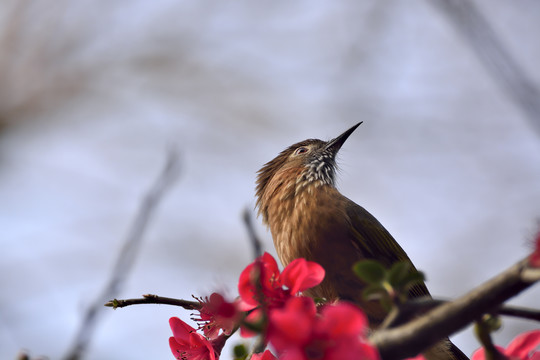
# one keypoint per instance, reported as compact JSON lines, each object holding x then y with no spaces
{"x":262,"y":287}
{"x":188,"y":344}
{"x":215,"y":314}
{"x":262,"y":284}
{"x":301,"y":275}
{"x":297,"y":332}
{"x":523,"y":347}
{"x":266,"y":355}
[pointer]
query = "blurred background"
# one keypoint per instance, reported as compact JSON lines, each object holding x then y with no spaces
{"x":93,"y":93}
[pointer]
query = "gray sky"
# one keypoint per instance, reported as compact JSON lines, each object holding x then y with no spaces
{"x":92,"y":93}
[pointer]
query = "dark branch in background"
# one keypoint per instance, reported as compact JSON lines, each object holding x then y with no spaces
{"x":410,"y":339}
{"x":126,"y":256}
{"x":154,"y":299}
{"x":418,"y":306}
{"x":255,"y":241}
{"x":519,"y":312}
{"x":498,"y":61}
{"x":257,"y":252}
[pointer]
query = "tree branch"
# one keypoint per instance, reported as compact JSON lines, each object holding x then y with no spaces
{"x":410,"y":339}
{"x":126,"y":256}
{"x":255,"y":241}
{"x":519,"y":312}
{"x":418,"y":306}
{"x":154,"y":299}
{"x":494,"y":56}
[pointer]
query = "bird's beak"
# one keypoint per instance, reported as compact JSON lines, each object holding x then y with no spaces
{"x":335,"y":144}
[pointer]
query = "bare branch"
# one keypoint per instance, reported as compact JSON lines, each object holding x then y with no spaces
{"x":519,"y":312}
{"x":126,"y":256}
{"x":255,"y":241}
{"x":492,"y":53}
{"x":410,"y":339}
{"x":418,"y":306}
{"x":154,"y":299}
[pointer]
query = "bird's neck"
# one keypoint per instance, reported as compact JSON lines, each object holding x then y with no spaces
{"x":288,"y":191}
{"x":291,"y":210}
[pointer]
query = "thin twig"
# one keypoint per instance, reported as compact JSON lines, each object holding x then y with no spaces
{"x":410,"y":339}
{"x":255,"y":241}
{"x":126,"y":256}
{"x":495,"y":57}
{"x":154,"y":299}
{"x":519,"y":312}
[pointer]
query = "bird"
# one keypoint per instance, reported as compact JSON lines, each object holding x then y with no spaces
{"x":308,"y":217}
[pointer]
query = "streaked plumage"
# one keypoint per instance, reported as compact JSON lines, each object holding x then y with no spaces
{"x":309,"y":218}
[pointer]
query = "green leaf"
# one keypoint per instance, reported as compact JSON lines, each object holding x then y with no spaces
{"x":370,"y":271}
{"x":398,"y":273}
{"x":413,"y":278}
{"x":240,"y":352}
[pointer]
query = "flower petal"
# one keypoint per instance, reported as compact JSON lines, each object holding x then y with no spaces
{"x":176,"y":349}
{"x":352,"y":350}
{"x":343,"y":319}
{"x":255,"y":317}
{"x":246,"y":288}
{"x":180,"y":330}
{"x":187,"y":343}
{"x":293,"y":353}
{"x":480,"y":354}
{"x":270,"y":263}
{"x":266,"y":355}
{"x":523,"y":344}
{"x":292,"y":325}
{"x":268,"y":277}
{"x":301,"y":275}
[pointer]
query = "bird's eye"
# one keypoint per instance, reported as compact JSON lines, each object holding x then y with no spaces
{"x":300,"y":150}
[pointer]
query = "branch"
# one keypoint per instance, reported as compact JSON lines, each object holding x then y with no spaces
{"x":126,"y":256}
{"x":492,"y":53}
{"x":419,"y":306}
{"x":410,"y":339}
{"x":519,"y":312}
{"x":154,"y":299}
{"x":255,"y":242}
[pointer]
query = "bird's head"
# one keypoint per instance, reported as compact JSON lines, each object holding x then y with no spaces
{"x":309,"y":162}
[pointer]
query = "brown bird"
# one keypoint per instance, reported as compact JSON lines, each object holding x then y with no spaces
{"x":309,"y":218}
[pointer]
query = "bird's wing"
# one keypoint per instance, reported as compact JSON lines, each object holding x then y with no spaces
{"x":375,"y":242}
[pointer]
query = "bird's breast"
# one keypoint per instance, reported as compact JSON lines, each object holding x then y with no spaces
{"x":309,"y":220}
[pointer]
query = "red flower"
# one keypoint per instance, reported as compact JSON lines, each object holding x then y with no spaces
{"x":216,"y":314}
{"x":188,"y":344}
{"x":266,"y":355}
{"x":260,"y":279}
{"x":301,"y":275}
{"x":297,"y":332}
{"x":261,"y":283}
{"x":523,"y":347}
{"x":257,"y":320}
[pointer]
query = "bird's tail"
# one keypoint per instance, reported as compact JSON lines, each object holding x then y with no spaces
{"x":445,"y":350}
{"x":457,"y":353}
